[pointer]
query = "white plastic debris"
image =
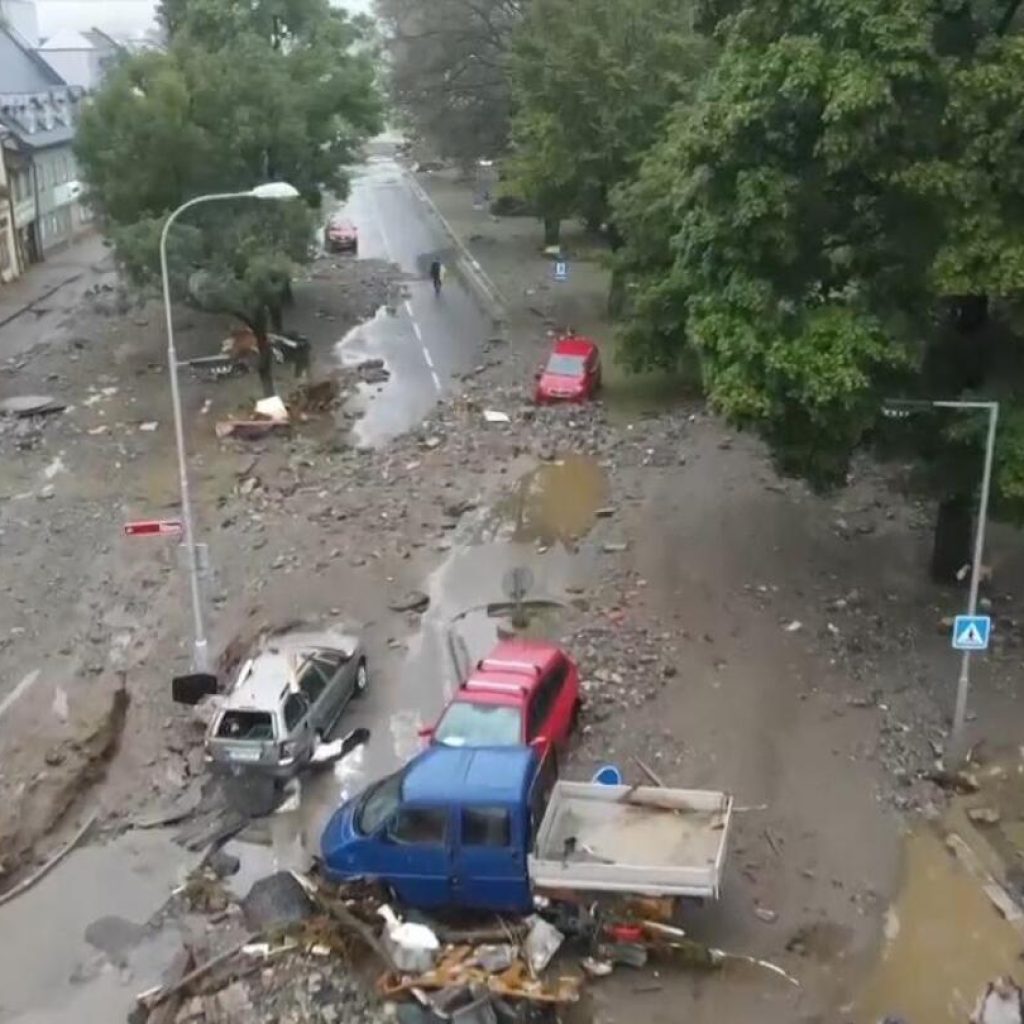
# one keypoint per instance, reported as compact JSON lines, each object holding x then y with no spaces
{"x":496,"y":416}
{"x":412,"y":946}
{"x":273,"y":408}
{"x":793,"y":626}
{"x":542,"y":942}
{"x":148,"y":427}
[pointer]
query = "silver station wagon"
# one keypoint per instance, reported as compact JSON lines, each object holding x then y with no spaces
{"x":286,"y":698}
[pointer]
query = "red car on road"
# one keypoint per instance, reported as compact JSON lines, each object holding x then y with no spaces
{"x":573,"y":371}
{"x":341,"y":235}
{"x":523,"y":692}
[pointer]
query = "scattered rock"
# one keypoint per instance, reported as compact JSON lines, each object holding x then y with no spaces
{"x":766,"y":915}
{"x":276,"y":900}
{"x":413,"y":601}
{"x":984,"y":815}
{"x":223,"y":864}
{"x":614,"y":547}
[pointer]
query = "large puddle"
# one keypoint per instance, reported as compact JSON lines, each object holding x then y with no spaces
{"x":555,"y":503}
{"x":944,"y":941}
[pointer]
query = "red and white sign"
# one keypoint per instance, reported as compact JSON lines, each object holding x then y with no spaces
{"x":153,"y":528}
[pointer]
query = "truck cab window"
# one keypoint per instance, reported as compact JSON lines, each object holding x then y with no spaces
{"x":486,"y":826}
{"x":419,"y":825}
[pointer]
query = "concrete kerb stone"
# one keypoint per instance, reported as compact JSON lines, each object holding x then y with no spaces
{"x":468,"y":267}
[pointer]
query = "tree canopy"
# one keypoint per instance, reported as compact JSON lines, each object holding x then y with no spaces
{"x":446,"y":70}
{"x":243,"y":95}
{"x":838,"y":217}
{"x":592,"y":81}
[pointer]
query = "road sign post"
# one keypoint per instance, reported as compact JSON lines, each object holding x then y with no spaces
{"x":516,"y":584}
{"x":971,"y":632}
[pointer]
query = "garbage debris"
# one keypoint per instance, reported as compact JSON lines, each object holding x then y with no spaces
{"x":330,"y":752}
{"x":495,"y":958}
{"x":273,"y":409}
{"x":542,"y":942}
{"x":270,"y":414}
{"x":496,"y":416}
{"x":1002,"y":1002}
{"x":413,"y":947}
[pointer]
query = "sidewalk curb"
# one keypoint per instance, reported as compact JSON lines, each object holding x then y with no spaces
{"x":487,"y":291}
{"x":22,"y":310}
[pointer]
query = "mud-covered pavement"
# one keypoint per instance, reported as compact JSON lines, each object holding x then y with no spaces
{"x":733,"y":631}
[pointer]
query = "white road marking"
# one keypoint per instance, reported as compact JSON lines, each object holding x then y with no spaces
{"x":427,"y":356}
{"x":379,"y":224}
{"x":416,"y":330}
{"x":437,"y":380}
{"x":408,"y":310}
{"x":19,"y":690}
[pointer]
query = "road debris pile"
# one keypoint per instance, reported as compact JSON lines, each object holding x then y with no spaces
{"x":296,"y":948}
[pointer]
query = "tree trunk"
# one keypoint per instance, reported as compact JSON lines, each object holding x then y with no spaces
{"x":616,"y":294}
{"x":951,"y":544}
{"x":277,"y":318}
{"x":552,"y":231}
{"x":265,"y":364}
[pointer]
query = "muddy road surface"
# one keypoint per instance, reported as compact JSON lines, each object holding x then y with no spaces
{"x":733,"y":631}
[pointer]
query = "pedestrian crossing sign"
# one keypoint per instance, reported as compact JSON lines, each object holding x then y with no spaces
{"x":971,"y":632}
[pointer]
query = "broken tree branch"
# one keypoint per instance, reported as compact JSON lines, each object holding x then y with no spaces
{"x":27,"y":884}
{"x":168,"y":992}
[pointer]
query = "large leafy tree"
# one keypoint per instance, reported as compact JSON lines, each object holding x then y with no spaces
{"x":592,"y":81}
{"x":447,"y":76}
{"x":837,"y":218}
{"x":245,"y":93}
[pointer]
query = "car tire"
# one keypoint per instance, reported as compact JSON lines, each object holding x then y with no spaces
{"x":362,"y":679}
{"x":574,"y":721}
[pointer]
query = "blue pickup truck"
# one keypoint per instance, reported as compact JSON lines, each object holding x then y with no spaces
{"x":486,"y":828}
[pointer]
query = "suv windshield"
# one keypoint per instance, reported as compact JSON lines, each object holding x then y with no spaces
{"x":480,"y":725}
{"x":379,"y":803}
{"x":566,"y":366}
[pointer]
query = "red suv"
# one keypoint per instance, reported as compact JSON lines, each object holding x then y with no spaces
{"x":572,"y":373}
{"x":523,"y":692}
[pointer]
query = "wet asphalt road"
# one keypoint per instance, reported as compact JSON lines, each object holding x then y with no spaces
{"x":425,"y":339}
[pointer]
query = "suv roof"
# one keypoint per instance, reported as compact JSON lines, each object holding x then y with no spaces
{"x":513,"y":668}
{"x":261,"y":680}
{"x":497,"y":775}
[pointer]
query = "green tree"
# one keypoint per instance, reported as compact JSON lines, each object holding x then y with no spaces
{"x":244,"y":94}
{"x":837,"y":218}
{"x":592,"y":81}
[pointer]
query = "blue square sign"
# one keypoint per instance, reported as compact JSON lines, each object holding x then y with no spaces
{"x":561,"y":270}
{"x":971,"y":632}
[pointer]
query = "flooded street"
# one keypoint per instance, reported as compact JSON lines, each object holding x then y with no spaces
{"x":944,"y":941}
{"x":79,"y":945}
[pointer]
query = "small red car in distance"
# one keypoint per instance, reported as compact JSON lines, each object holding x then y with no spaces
{"x":523,"y":692}
{"x":573,"y":371}
{"x":341,"y":235}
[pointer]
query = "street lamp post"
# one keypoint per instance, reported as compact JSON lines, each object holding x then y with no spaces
{"x":270,"y":190}
{"x":957,"y":745}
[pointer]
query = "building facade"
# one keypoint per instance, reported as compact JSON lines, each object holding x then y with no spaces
{"x":10,"y":265}
{"x":38,"y":111}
